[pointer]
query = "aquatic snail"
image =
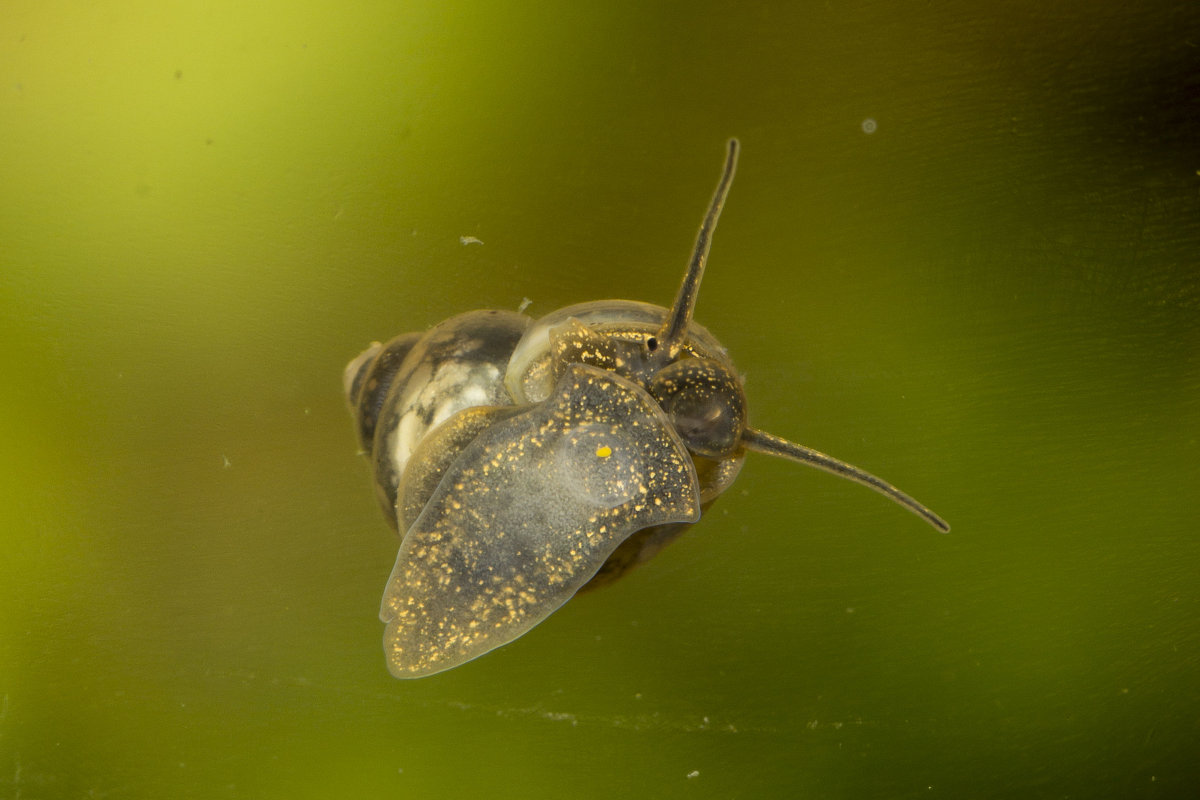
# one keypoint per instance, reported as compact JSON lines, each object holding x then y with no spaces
{"x":524,"y":460}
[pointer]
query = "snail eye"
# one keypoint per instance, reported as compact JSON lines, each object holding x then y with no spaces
{"x":705,"y":403}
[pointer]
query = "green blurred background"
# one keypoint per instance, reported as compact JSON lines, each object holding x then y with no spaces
{"x":991,"y":299}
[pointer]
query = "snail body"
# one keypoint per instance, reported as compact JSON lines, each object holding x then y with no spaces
{"x":522,"y":460}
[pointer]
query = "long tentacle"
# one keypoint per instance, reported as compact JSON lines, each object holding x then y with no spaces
{"x":763,"y":442}
{"x":674,"y":330}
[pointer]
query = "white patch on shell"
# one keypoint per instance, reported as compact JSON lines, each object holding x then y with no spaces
{"x":455,"y":386}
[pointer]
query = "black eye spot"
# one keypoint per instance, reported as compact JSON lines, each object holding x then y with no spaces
{"x":652,"y":344}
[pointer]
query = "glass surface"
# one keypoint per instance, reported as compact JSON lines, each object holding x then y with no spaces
{"x":960,"y":252}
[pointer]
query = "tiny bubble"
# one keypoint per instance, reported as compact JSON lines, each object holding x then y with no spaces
{"x":869,"y":125}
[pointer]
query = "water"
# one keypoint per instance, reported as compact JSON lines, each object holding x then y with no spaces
{"x":988,"y":298}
